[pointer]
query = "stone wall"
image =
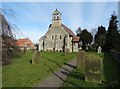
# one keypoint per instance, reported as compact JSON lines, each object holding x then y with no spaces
{"x":54,"y":38}
{"x":75,"y":47}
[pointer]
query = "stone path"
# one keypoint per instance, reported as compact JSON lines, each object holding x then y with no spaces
{"x":57,"y":78}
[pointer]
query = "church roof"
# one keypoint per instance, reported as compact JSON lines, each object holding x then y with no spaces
{"x":70,"y":32}
{"x":75,"y":39}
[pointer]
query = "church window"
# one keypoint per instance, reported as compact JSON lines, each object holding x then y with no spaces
{"x":60,"y":37}
{"x":56,"y":37}
{"x":52,"y":37}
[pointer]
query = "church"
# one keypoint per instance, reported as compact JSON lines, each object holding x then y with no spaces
{"x":58,"y":37}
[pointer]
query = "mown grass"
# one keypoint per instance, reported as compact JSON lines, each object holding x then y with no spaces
{"x":21,"y":73}
{"x":110,"y":74}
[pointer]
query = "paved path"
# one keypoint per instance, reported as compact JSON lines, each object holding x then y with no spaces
{"x":57,"y":78}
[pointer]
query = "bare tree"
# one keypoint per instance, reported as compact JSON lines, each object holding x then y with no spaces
{"x":7,"y":37}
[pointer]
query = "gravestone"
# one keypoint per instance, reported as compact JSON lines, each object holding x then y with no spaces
{"x":93,"y":68}
{"x":99,"y":49}
{"x":36,"y":57}
{"x":80,"y":57}
{"x":80,"y":48}
{"x":67,"y":51}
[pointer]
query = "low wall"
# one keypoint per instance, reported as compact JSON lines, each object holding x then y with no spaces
{"x":115,"y":55}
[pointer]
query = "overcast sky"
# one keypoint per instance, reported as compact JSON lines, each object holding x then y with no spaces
{"x":33,"y":18}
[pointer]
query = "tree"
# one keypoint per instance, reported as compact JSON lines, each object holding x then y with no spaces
{"x":86,"y":37}
{"x":78,"y":31}
{"x":7,"y":38}
{"x":100,"y":37}
{"x":112,"y":37}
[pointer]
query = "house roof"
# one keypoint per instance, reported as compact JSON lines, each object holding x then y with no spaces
{"x":70,"y":32}
{"x":75,"y":39}
{"x":25,"y":42}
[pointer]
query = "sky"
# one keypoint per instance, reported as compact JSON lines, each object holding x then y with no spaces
{"x":34,"y":18}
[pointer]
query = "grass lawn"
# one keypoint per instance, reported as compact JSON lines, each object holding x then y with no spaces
{"x":110,"y":74}
{"x":23,"y":74}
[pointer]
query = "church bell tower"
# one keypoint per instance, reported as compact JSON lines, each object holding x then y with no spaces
{"x":56,"y":18}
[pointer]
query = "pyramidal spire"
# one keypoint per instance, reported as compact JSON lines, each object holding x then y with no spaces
{"x":56,"y":9}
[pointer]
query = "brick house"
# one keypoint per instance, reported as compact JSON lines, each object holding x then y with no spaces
{"x":25,"y":43}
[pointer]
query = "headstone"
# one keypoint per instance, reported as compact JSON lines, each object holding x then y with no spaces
{"x":36,"y":57}
{"x":87,"y":48}
{"x":67,"y":51}
{"x":80,"y":48}
{"x":80,"y":57}
{"x":99,"y":49}
{"x":93,"y":68}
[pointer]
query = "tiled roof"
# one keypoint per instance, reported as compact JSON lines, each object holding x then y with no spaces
{"x":25,"y":42}
{"x":70,"y":32}
{"x":75,"y":39}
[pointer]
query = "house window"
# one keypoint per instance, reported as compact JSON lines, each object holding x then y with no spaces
{"x":60,"y":37}
{"x":52,"y":37}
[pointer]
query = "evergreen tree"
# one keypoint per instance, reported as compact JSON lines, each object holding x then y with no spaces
{"x":78,"y":31}
{"x":100,"y":37}
{"x":112,"y":37}
{"x":86,"y":37}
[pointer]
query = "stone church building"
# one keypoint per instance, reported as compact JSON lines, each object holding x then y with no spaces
{"x":58,"y":37}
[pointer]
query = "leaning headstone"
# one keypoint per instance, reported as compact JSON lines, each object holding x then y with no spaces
{"x":93,"y":68}
{"x":36,"y":57}
{"x":99,"y":49}
{"x":80,"y":57}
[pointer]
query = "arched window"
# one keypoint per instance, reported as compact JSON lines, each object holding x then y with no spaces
{"x":55,"y":36}
{"x":60,"y":37}
{"x":52,"y":37}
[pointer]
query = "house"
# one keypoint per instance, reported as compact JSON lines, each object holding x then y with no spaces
{"x":58,"y":37}
{"x":25,"y":43}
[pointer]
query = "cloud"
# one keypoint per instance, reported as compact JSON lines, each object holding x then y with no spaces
{"x":35,"y":17}
{"x":31,"y":12}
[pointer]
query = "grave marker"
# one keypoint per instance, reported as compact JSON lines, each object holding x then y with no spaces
{"x":36,"y":57}
{"x":93,"y":68}
{"x":67,"y":51}
{"x":80,"y":57}
{"x":99,"y":49}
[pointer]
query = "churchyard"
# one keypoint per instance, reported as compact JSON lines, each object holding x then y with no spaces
{"x":94,"y":70}
{"x":21,"y":73}
{"x":93,"y":53}
{"x":108,"y":75}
